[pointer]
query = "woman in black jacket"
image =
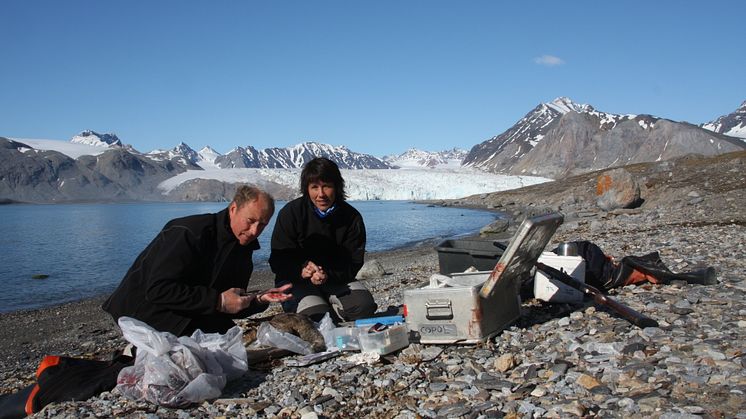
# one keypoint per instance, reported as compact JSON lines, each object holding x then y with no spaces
{"x":318,"y":245}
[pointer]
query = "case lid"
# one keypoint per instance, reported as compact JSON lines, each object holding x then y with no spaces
{"x":523,"y":251}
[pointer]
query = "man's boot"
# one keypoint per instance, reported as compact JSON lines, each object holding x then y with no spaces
{"x":652,"y":268}
{"x":705,"y":276}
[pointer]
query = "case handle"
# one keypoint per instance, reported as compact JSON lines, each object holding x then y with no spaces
{"x":438,"y":310}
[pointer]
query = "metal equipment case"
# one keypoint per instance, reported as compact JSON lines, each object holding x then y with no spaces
{"x":457,"y":313}
{"x":469,"y":308}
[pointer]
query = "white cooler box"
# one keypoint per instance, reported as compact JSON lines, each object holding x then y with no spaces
{"x":456,"y":312}
{"x":554,"y":291}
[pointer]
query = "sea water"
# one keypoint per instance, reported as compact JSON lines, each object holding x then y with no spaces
{"x":85,"y":249}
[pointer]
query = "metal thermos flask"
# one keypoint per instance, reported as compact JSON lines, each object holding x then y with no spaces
{"x":567,"y":249}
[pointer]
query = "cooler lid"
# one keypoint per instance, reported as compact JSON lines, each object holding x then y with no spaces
{"x":522,"y":252}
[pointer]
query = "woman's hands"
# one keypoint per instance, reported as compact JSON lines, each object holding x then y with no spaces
{"x":314,"y":273}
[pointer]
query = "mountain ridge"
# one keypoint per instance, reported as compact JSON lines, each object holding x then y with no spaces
{"x":563,"y":138}
{"x":554,"y":140}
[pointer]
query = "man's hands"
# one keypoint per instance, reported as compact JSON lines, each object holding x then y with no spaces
{"x":275,"y":295}
{"x":234,"y":300}
{"x":314,"y":273}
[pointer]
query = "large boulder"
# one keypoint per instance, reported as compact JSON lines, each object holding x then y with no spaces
{"x":371,"y":269}
{"x":616,"y":189}
{"x":495,"y":227}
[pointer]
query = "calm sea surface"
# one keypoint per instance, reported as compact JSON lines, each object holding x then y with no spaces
{"x":87,"y":248}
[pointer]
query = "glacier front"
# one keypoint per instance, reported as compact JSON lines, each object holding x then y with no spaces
{"x":377,"y":184}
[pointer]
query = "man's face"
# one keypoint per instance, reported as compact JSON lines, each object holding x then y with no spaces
{"x":248,"y":221}
{"x":322,"y":194}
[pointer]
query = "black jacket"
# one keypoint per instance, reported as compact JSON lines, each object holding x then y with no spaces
{"x":336,"y":242}
{"x":174,"y":285}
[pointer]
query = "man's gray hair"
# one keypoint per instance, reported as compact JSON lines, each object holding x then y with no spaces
{"x":249,"y":193}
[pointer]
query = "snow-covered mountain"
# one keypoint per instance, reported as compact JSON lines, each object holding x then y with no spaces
{"x":414,"y":158}
{"x":206,"y":157}
{"x":91,"y":143}
{"x":182,"y":154}
{"x":182,"y":174}
{"x":554,"y":140}
{"x":96,"y":173}
{"x":505,"y":150}
{"x":92,"y":138}
{"x":562,"y":138}
{"x":733,"y":124}
{"x":296,"y":156}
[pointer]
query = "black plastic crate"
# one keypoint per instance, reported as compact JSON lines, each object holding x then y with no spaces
{"x":458,"y":255}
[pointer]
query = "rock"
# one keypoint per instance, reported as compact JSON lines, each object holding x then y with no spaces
{"x":573,"y":408}
{"x":617,"y":189}
{"x":495,"y":227}
{"x":437,"y":387}
{"x":372,"y":269}
{"x":587,"y":382}
{"x":505,"y":362}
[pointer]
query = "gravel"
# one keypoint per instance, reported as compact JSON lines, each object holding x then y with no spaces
{"x":558,"y":360}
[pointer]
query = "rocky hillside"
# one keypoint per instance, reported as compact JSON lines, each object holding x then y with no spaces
{"x":29,"y":175}
{"x":562,"y":138}
{"x":116,"y":172}
{"x":676,"y":185}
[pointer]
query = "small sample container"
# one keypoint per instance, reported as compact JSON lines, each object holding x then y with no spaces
{"x":346,"y":338}
{"x":386,"y":341}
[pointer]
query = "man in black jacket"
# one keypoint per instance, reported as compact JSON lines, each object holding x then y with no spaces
{"x":318,"y":245}
{"x":194,"y":273}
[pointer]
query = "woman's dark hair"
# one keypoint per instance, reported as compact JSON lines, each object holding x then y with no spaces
{"x":325,"y":170}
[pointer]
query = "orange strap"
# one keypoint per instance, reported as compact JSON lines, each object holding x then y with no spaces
{"x":30,"y":401}
{"x":639,"y":276}
{"x":48,"y":361}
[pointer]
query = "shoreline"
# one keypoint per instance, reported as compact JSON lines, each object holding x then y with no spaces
{"x":82,"y":329}
{"x":261,"y":266}
{"x":260,"y":278}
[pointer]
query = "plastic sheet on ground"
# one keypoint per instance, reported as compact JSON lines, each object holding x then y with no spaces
{"x":267,"y":335}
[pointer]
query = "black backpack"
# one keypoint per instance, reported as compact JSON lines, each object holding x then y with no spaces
{"x":61,"y":378}
{"x":602,"y":272}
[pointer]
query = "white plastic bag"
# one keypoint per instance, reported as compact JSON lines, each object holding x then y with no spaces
{"x":176,"y":372}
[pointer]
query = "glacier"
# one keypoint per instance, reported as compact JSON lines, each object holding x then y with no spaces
{"x":377,"y":184}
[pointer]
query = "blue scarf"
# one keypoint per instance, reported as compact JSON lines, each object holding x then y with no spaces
{"x":324,"y":214}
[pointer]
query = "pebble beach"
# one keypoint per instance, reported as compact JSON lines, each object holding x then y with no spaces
{"x":557,"y":360}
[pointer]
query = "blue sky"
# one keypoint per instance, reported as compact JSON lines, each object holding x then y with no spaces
{"x":376,"y":76}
